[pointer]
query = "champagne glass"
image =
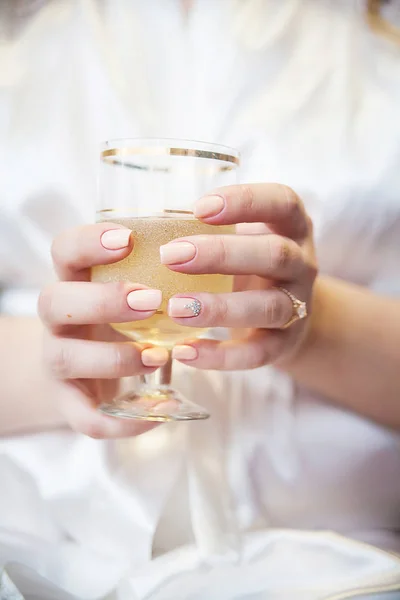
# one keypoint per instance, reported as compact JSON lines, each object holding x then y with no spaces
{"x":150,"y":186}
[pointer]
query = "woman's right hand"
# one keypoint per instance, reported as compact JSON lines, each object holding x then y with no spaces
{"x":81,"y":350}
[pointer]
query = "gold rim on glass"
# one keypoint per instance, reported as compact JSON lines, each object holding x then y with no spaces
{"x":127,"y":210}
{"x":166,"y":151}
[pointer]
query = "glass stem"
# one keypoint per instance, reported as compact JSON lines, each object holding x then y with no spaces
{"x":160,"y":377}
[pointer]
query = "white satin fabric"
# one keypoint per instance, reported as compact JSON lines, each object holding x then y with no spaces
{"x":311,"y":98}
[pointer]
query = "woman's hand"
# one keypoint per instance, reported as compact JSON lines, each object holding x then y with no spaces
{"x":81,"y":349}
{"x":278,"y":254}
{"x":88,"y":357}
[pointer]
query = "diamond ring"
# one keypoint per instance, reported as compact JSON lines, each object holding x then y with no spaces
{"x":299,"y":308}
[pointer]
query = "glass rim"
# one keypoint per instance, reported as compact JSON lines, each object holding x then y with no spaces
{"x":155,"y":146}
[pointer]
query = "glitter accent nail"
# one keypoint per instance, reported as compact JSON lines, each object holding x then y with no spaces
{"x":195,"y":307}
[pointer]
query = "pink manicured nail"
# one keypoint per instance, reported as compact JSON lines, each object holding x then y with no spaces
{"x":184,"y":307}
{"x":144,"y":299}
{"x":154,"y":357}
{"x":116,"y":239}
{"x":184,"y":353}
{"x":209,"y":206}
{"x":177,"y":252}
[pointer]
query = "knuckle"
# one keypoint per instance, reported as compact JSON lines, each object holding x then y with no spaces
{"x":297,"y":261}
{"x":45,"y":303}
{"x":57,"y":359}
{"x":274,"y":311}
{"x":218,"y":312}
{"x":219,"y":253}
{"x":88,"y":427}
{"x":61,"y":249}
{"x":222,"y":361}
{"x":258,"y":356}
{"x":69,"y":250}
{"x":278,"y":343}
{"x":293,"y":203}
{"x":265,"y":354}
{"x":278,"y":252}
{"x":93,"y":430}
{"x":106,"y":298}
{"x":247,"y":197}
{"x":100,"y":309}
{"x":117,"y":292}
{"x":268,"y":352}
{"x":309,"y":224}
{"x":54,"y":251}
{"x":312,"y":270}
{"x":121,"y":360}
{"x":295,"y":211}
{"x":111,"y":299}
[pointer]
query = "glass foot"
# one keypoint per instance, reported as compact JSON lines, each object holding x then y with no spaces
{"x":161,"y":405}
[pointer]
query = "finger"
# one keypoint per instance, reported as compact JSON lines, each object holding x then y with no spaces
{"x":270,"y":256}
{"x":260,"y":348}
{"x":271,"y":203}
{"x":86,"y":303}
{"x":78,"y":249}
{"x":82,"y":415}
{"x":69,"y":358}
{"x":250,"y":309}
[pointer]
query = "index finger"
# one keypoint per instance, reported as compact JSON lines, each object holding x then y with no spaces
{"x":272,"y":203}
{"x":76,"y":250}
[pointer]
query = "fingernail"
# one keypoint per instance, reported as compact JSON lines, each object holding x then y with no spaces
{"x":177,"y":252}
{"x":184,"y":307}
{"x":184,"y":353}
{"x":116,"y":239}
{"x":209,"y":206}
{"x":144,"y":299}
{"x":154,"y":357}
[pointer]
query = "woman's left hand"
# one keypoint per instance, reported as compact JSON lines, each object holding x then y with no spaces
{"x":274,"y":264}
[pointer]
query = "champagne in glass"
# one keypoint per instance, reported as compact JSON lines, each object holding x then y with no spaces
{"x":150,"y":186}
{"x":143,"y":265}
